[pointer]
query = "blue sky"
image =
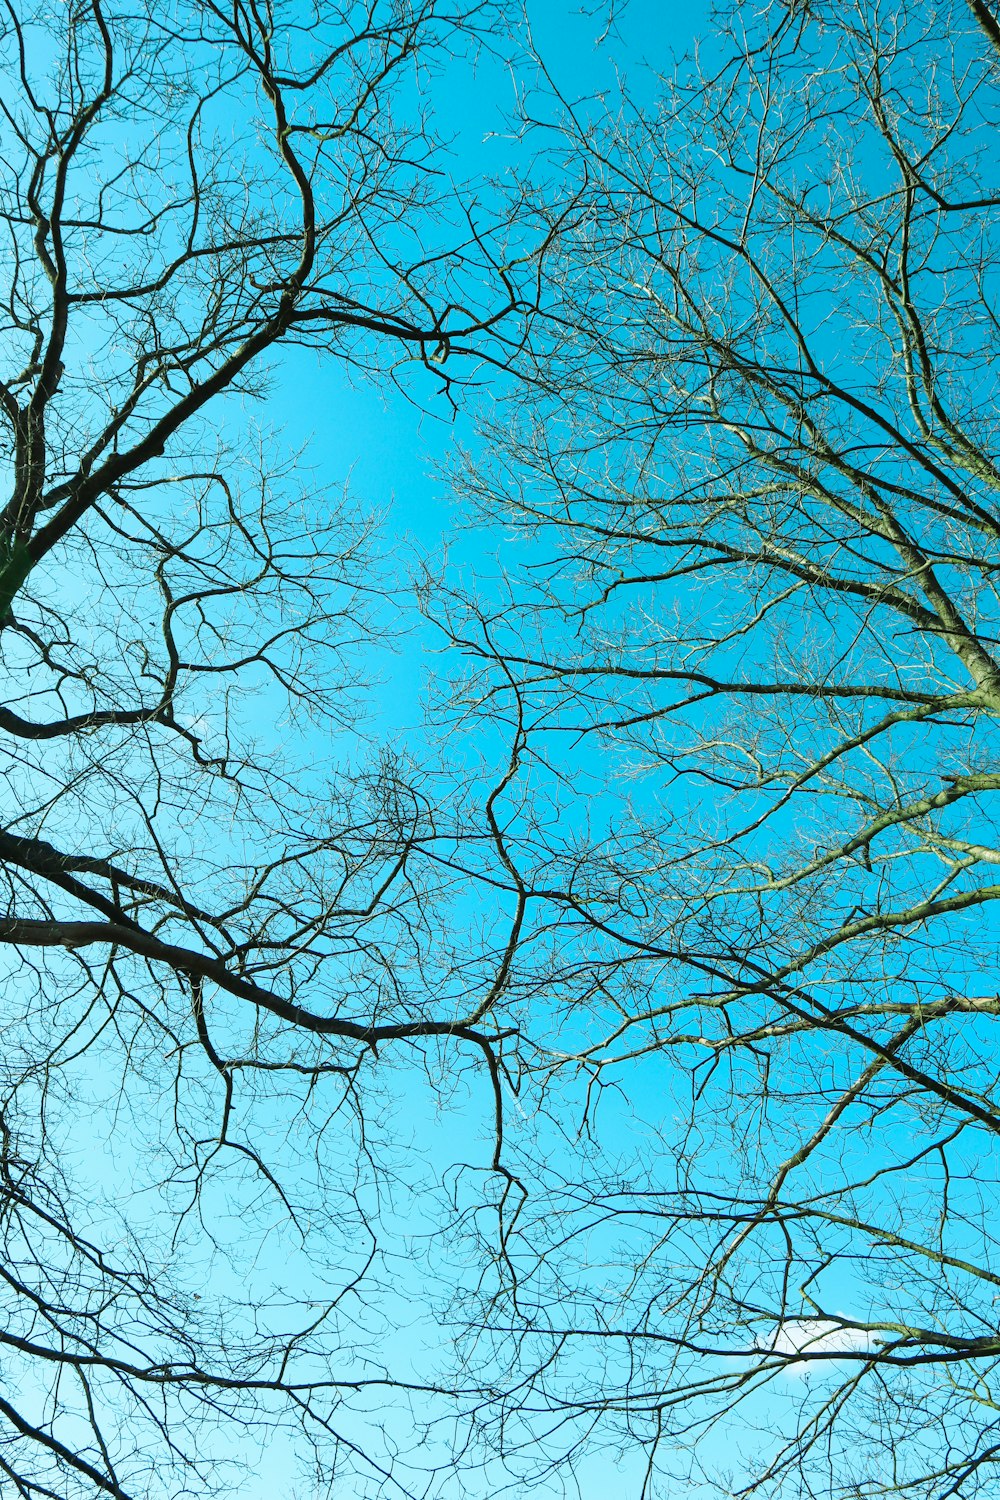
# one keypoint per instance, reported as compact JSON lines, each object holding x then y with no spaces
{"x":388,"y":451}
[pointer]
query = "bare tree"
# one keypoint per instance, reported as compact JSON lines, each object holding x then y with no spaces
{"x":760,"y":460}
{"x":210,"y":938}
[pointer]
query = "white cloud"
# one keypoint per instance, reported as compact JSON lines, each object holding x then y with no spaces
{"x":807,"y":1336}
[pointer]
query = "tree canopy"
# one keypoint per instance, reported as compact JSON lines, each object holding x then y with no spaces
{"x":629,"y":1022}
{"x":757,"y":456}
{"x":218,"y":911}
